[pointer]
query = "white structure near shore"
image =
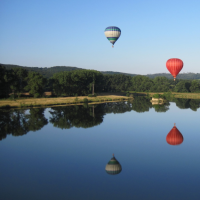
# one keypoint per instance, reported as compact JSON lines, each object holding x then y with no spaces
{"x":157,"y":101}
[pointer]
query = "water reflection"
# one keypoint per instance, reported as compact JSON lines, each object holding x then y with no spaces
{"x":161,"y":107}
{"x":193,"y":104}
{"x":76,"y":116}
{"x":174,"y":137}
{"x":141,"y":104}
{"x":113,"y":167}
{"x":18,"y":122}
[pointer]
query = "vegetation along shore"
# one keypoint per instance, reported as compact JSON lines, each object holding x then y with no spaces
{"x":81,"y":86}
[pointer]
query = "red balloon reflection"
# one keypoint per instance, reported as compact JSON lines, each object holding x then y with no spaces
{"x":174,"y":137}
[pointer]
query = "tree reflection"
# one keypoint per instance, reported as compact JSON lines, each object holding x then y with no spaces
{"x":18,"y":122}
{"x":141,"y":104}
{"x":36,"y":119}
{"x":161,"y":107}
{"x":117,"y":107}
{"x":182,"y":103}
{"x":193,"y":104}
{"x":78,"y":116}
{"x":85,"y":116}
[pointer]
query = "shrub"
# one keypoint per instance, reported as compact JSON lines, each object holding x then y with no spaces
{"x":36,"y":95}
{"x":148,"y":96}
{"x":85,"y":100}
{"x":127,"y":94}
{"x":90,"y":95}
{"x":12,"y":96}
{"x":168,"y":95}
{"x":156,"y":96}
{"x":85,"y":105}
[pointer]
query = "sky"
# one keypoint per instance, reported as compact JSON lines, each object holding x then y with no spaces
{"x":47,"y":33}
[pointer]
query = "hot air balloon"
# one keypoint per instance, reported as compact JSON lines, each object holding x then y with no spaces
{"x":112,"y":33}
{"x":113,"y":167}
{"x":174,"y":65}
{"x":174,"y":137}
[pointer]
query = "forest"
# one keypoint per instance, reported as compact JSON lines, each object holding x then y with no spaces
{"x":48,"y":72}
{"x":18,"y":80}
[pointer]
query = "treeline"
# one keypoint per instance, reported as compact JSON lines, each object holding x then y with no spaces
{"x":81,"y":82}
{"x":48,"y":72}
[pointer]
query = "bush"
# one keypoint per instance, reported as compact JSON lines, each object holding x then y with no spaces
{"x":91,"y":95}
{"x":12,"y":96}
{"x":36,"y":95}
{"x":156,"y":96}
{"x":127,"y":94}
{"x":85,"y":100}
{"x":148,"y":96}
{"x":168,"y":95}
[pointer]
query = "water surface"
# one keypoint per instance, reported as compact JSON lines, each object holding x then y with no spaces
{"x":62,"y":152}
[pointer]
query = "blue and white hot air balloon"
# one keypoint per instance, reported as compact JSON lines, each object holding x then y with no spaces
{"x":112,"y":33}
{"x":113,"y":167}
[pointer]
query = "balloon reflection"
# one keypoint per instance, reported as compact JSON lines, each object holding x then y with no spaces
{"x":113,"y":167}
{"x":174,"y":137}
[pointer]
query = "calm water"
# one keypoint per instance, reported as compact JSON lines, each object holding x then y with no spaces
{"x":62,"y":152}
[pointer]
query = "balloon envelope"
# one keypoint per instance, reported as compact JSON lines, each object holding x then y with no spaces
{"x":113,"y":167}
{"x":112,"y":33}
{"x":174,"y":65}
{"x":174,"y":137}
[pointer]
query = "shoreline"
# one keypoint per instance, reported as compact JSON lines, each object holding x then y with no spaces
{"x":177,"y":95}
{"x":60,"y":101}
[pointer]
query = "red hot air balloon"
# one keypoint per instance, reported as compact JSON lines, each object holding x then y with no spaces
{"x":174,"y":65}
{"x":174,"y":137}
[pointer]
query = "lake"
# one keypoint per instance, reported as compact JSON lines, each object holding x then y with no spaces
{"x":62,"y":152}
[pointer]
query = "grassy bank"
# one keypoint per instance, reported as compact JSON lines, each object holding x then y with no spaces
{"x":176,"y":94}
{"x":35,"y":102}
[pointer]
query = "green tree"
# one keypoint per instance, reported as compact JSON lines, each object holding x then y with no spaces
{"x":161,"y":84}
{"x":195,"y":86}
{"x":3,"y":84}
{"x":35,"y":84}
{"x":141,"y":83}
{"x":17,"y":81}
{"x":182,"y":86}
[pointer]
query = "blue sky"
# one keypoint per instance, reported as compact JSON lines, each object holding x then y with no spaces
{"x":46,"y":33}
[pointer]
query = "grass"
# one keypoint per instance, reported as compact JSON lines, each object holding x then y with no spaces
{"x":37,"y":102}
{"x":176,"y":94}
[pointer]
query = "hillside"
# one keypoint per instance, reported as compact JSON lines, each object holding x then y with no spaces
{"x":188,"y":76}
{"x":48,"y":72}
